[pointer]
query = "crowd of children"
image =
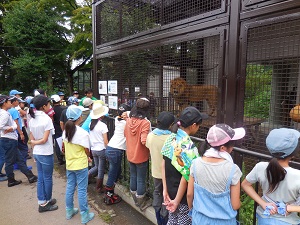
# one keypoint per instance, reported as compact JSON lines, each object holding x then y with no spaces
{"x":189,"y":187}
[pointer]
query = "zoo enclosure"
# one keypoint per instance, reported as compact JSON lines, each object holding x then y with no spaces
{"x":248,"y":49}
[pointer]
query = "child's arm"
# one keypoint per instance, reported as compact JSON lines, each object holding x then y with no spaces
{"x":41,"y":141}
{"x":173,"y":204}
{"x":247,"y":187}
{"x":165,"y":189}
{"x":235,"y":191}
{"x":292,"y":208}
{"x":190,"y":192}
{"x":105,"y":139}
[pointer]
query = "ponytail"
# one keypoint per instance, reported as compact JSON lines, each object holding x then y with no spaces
{"x":174,"y":128}
{"x":93,"y":124}
{"x":31,"y":112}
{"x":275,"y":174}
{"x":70,"y":130}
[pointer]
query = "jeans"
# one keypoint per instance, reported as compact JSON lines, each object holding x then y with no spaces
{"x":77,"y":178}
{"x":114,"y":157}
{"x":138,"y":173}
{"x":160,"y":210}
{"x":22,"y":144}
{"x":44,"y":165}
{"x":269,"y":220}
{"x":12,"y":156}
{"x":99,"y":161}
{"x":2,"y":159}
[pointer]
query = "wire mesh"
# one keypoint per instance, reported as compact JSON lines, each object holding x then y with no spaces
{"x":122,"y":18}
{"x":272,"y":80}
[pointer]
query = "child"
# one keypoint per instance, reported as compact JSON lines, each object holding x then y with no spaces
{"x":99,"y":141}
{"x":155,"y":141}
{"x":280,"y":183}
{"x":76,"y":145}
{"x":136,"y":130}
{"x":9,"y":143}
{"x":41,"y":131}
{"x":178,"y":153}
{"x":214,"y":186}
{"x":114,"y":155}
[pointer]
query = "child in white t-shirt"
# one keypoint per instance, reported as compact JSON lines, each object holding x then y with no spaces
{"x":99,"y":141}
{"x":114,"y":154}
{"x":280,"y":183}
{"x":41,"y":131}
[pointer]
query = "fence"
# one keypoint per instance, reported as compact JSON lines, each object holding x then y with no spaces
{"x":237,"y":60}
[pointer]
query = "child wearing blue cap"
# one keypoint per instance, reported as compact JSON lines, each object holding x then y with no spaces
{"x":280,"y":183}
{"x":76,"y":146}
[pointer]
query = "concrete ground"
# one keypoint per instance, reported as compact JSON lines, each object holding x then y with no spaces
{"x":18,"y":205}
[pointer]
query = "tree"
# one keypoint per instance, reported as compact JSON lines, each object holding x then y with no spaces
{"x":48,"y":39}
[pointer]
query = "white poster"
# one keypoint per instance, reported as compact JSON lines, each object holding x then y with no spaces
{"x":113,"y":102}
{"x":102,"y":87}
{"x":102,"y":98}
{"x":112,"y":87}
{"x":136,"y":89}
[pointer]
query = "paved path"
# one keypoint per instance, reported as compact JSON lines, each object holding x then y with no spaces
{"x":18,"y":204}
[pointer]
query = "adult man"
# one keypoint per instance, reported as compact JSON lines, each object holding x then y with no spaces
{"x":58,"y":109}
{"x":9,"y":143}
{"x":88,"y":94}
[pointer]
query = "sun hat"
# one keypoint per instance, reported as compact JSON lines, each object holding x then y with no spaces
{"x":4,"y":98}
{"x":87,"y":102}
{"x":220,"y":134}
{"x":74,"y":112}
{"x":55,"y":98}
{"x":40,"y":100}
{"x":15,"y":92}
{"x":191,"y":115}
{"x":282,"y":142}
{"x":98,"y":110}
{"x":165,"y":120}
{"x":72,"y":100}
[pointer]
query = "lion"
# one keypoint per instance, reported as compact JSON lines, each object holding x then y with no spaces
{"x":184,"y":94}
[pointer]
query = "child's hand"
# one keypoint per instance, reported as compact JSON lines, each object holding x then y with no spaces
{"x":273,"y":210}
{"x":89,"y":159}
{"x":172,"y":206}
{"x":166,"y":197}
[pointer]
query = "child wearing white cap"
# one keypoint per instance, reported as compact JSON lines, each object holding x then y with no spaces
{"x":214,"y":185}
{"x":280,"y":183}
{"x":76,"y":146}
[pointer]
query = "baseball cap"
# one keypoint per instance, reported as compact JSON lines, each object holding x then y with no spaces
{"x":73,"y":112}
{"x":28,"y":99}
{"x":21,"y":100}
{"x":220,"y":134}
{"x":87,"y":102}
{"x":165,"y":120}
{"x":72,"y":100}
{"x":60,"y":93}
{"x":15,"y":92}
{"x":40,"y":100}
{"x":38,"y":92}
{"x":282,"y":142}
{"x":4,"y":98}
{"x":123,"y":108}
{"x":98,"y":110}
{"x":191,"y":115}
{"x":75,"y":92}
{"x":55,"y":98}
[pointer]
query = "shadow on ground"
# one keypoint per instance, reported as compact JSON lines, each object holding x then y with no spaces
{"x":119,"y":214}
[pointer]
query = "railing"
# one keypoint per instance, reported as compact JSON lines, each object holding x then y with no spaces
{"x":245,"y":159}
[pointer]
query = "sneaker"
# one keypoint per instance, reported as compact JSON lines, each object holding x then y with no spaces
{"x":47,"y":207}
{"x":13,"y":182}
{"x":32,"y":179}
{"x":52,"y":201}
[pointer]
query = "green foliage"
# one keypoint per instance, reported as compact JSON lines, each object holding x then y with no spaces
{"x":258,"y":91}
